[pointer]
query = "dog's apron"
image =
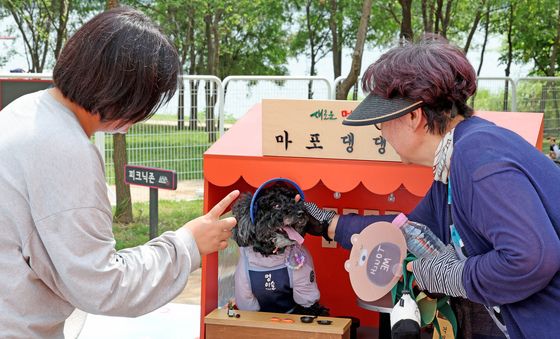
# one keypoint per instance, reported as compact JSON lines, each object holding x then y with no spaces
{"x":272,"y":286}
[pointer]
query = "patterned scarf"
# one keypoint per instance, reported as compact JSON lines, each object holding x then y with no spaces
{"x":442,"y":157}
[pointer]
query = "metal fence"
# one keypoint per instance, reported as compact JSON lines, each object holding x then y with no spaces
{"x":243,"y":92}
{"x":204,"y":107}
{"x":541,"y":94}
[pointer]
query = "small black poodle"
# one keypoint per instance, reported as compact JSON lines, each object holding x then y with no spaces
{"x":275,"y":209}
{"x":275,"y":271}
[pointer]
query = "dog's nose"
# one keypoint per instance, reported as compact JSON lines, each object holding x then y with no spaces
{"x":300,"y":213}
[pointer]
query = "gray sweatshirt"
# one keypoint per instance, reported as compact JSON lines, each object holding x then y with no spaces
{"x":56,"y":241}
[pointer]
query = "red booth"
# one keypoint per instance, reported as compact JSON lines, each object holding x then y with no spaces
{"x":236,"y":161}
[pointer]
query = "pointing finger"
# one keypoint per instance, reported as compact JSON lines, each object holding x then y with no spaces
{"x":220,"y":207}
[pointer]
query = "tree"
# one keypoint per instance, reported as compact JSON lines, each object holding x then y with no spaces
{"x":406,"y":22}
{"x":346,"y":84}
{"x":40,"y":23}
{"x":538,"y":41}
{"x":486,"y":33}
{"x":436,"y":16}
{"x":313,"y":31}
{"x":123,"y":210}
{"x":335,"y":27}
{"x":222,"y":38}
{"x":44,"y":25}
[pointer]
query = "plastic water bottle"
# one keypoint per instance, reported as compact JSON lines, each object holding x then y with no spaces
{"x":420,"y":240}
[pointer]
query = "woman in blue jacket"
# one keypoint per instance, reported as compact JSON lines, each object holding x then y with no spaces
{"x":494,"y":198}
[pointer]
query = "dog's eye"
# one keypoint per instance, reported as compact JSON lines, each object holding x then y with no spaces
{"x":276,"y":206}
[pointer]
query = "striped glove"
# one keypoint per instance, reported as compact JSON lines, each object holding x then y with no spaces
{"x":319,"y":220}
{"x":441,"y":273}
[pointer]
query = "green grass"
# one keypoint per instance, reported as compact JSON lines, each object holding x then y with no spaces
{"x":171,"y":215}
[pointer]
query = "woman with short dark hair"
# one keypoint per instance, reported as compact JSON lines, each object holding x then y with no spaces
{"x":118,"y":66}
{"x":57,"y":250}
{"x":494,"y":198}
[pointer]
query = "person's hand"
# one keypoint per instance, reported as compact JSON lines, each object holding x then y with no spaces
{"x":211,"y":233}
{"x":318,"y":219}
{"x":441,"y":273}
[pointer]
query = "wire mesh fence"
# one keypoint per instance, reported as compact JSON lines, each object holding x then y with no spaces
{"x":494,"y":94}
{"x":243,"y":92}
{"x":541,"y":94}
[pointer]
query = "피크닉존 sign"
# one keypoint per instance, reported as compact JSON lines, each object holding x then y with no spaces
{"x":314,"y":129}
{"x":150,"y":177}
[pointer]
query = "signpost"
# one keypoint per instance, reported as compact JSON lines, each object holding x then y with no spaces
{"x":154,"y":178}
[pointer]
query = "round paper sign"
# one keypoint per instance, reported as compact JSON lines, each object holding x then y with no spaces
{"x":375,"y":263}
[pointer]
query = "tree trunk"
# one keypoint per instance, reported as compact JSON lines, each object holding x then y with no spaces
{"x":446,"y":18}
{"x":438,"y":16}
{"x":212,"y":22}
{"x":483,"y":49}
{"x":123,"y":210}
{"x":311,"y":48}
{"x":62,"y":29}
{"x":428,"y":15}
{"x":474,"y":27}
{"x":486,"y":30}
{"x":336,"y":48}
{"x":406,"y":22}
{"x":193,"y":118}
{"x":344,"y":88}
{"x":509,"y":55}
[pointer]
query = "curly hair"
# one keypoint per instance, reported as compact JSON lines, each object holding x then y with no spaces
{"x":431,"y":70}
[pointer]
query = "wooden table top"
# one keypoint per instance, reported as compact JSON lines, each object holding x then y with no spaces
{"x":263,"y":320}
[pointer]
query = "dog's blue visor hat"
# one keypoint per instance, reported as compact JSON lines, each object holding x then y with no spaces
{"x":253,"y":207}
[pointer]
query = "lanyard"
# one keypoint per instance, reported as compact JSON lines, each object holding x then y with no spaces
{"x":456,"y":240}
